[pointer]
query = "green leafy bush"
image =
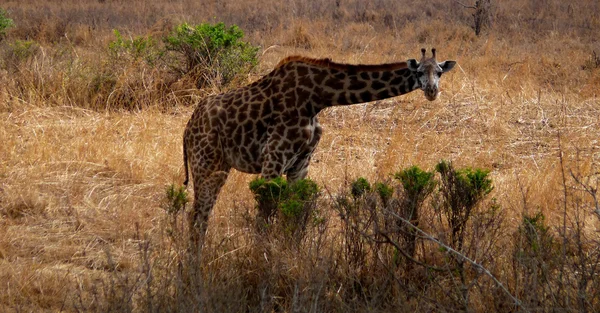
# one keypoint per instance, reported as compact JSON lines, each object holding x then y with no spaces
{"x":418,"y":184}
{"x":5,"y":23}
{"x":145,"y":48}
{"x":268,"y":190}
{"x":175,"y":199}
{"x":211,"y":52}
{"x":461,"y":191}
{"x":18,"y":52}
{"x":359,"y":187}
{"x":385,"y":192}
{"x":537,"y":256}
{"x":22,"y":49}
{"x":174,"y":203}
{"x":295,"y":203}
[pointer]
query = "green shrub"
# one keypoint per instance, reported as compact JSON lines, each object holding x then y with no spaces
{"x":211,"y":52}
{"x":537,"y":255}
{"x":535,"y":234}
{"x":360,"y":187}
{"x":305,"y":189}
{"x":5,"y":23}
{"x":22,"y":49}
{"x":137,"y":48}
{"x":174,"y":203}
{"x":175,"y":199}
{"x":418,"y":184}
{"x":295,"y":204}
{"x":268,"y":190}
{"x":385,"y":192}
{"x":461,"y":191}
{"x":19,"y":51}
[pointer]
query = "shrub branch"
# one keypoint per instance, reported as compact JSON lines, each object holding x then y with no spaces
{"x":462,"y":256}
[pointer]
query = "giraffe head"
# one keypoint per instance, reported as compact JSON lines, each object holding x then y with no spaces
{"x":428,"y":72}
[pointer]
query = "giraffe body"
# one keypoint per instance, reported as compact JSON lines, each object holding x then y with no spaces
{"x":270,"y":127}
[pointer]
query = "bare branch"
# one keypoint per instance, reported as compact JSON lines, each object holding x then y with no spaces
{"x":466,"y":6}
{"x":464,"y":257}
{"x":397,"y":246}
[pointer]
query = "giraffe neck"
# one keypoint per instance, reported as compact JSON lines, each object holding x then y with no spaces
{"x":335,"y":84}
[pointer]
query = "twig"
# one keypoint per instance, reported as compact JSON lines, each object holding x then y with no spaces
{"x":564,"y":230}
{"x":592,"y":191}
{"x":466,"y":6}
{"x":449,"y":249}
{"x":397,"y":246}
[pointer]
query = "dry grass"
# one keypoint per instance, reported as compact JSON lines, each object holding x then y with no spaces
{"x":83,"y":169}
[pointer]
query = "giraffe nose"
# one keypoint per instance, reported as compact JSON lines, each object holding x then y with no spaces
{"x":431,"y":92}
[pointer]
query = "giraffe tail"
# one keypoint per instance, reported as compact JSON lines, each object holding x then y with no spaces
{"x":185,"y":164}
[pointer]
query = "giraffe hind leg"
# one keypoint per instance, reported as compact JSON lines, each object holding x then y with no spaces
{"x":185,"y":164}
{"x":206,"y":191}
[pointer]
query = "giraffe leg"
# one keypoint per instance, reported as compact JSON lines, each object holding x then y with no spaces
{"x":300,"y":168}
{"x":206,"y":190}
{"x":272,"y":168}
{"x":299,"y":171}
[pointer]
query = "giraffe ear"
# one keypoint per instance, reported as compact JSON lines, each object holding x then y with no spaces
{"x":413,"y":65}
{"x":447,"y":65}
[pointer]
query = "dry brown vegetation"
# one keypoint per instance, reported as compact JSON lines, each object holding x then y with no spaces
{"x":88,"y":144}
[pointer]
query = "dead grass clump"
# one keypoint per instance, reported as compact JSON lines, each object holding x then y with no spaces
{"x":16,"y":205}
{"x":300,"y":38}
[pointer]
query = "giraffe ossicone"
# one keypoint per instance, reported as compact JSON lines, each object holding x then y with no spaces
{"x":270,"y":127}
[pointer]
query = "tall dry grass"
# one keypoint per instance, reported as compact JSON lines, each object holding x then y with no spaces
{"x":89,"y":142}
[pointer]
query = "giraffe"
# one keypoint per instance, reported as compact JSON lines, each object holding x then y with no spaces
{"x":270,"y":127}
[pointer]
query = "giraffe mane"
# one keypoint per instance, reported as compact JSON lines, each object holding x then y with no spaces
{"x":327,"y":63}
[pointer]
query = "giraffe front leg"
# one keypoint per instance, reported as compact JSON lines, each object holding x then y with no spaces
{"x":299,"y":171}
{"x":206,"y":191}
{"x":300,"y":168}
{"x":272,"y":168}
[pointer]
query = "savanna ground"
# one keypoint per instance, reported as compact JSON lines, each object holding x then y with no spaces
{"x":89,"y":141}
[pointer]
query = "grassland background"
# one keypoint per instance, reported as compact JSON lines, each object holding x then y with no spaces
{"x":83,"y":169}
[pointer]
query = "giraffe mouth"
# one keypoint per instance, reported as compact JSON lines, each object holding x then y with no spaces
{"x":431,"y":93}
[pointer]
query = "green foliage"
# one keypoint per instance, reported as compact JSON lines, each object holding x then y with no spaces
{"x":536,"y":254}
{"x":305,"y":189}
{"x":215,"y":51}
{"x":385,"y":191}
{"x":175,"y":199}
{"x":268,"y":190}
{"x":5,"y":23}
{"x":23,"y":49}
{"x":359,"y":187}
{"x":465,"y":187}
{"x":291,"y":208}
{"x":461,"y":191}
{"x":535,"y":233}
{"x":479,"y":185}
{"x":17,"y":52}
{"x":280,"y":191}
{"x":416,"y":182}
{"x":294,"y":202}
{"x":137,"y":48}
